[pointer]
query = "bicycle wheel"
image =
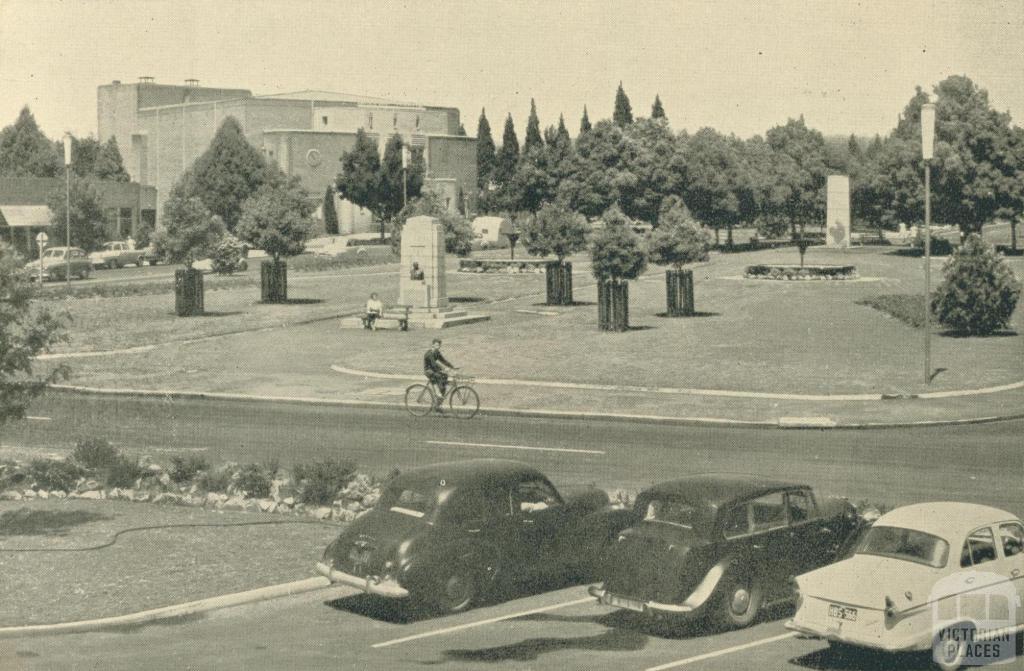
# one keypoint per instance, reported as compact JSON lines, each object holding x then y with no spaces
{"x":464,"y":402}
{"x":419,"y":400}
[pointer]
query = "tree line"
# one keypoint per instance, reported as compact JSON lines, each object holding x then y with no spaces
{"x":775,"y":182}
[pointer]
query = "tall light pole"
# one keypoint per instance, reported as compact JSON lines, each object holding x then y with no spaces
{"x":405,"y":175}
{"x":927,"y":153}
{"x":67,"y":210}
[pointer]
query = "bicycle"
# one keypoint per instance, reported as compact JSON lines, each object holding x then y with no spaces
{"x":423,"y":399}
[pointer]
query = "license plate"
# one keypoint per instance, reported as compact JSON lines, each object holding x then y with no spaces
{"x":358,"y":556}
{"x":621,"y":602}
{"x":842,"y":613}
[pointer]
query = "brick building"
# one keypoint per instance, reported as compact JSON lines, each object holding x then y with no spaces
{"x":24,"y":213}
{"x":161,"y":129}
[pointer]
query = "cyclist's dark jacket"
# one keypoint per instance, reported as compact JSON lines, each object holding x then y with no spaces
{"x":431,"y":365}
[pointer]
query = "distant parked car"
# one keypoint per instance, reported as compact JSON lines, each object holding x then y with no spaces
{"x":206,"y":265}
{"x":946,"y":577}
{"x":444,"y":534}
{"x":721,"y":546}
{"x":117,"y":254}
{"x":150,"y":255}
{"x":55,"y":264}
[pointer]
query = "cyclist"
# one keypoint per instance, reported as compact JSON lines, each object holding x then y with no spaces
{"x":434,"y":365}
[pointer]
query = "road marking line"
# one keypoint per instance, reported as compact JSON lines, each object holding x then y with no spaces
{"x":719,"y":653}
{"x":39,"y":419}
{"x":480,"y":623}
{"x":514,"y":447}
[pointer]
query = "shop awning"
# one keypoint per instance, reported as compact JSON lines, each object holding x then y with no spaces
{"x":24,"y":216}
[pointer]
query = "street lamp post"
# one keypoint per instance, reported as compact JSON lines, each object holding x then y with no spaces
{"x":405,"y":175}
{"x":927,"y":153}
{"x":67,"y":210}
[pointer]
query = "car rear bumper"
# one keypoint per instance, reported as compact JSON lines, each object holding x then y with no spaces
{"x":370,"y":584}
{"x":838,"y":636}
{"x":606,"y":598}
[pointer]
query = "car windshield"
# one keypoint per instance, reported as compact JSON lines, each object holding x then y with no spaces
{"x":415,"y":502}
{"x":670,"y":511}
{"x":53,"y":254}
{"x":907,"y":544}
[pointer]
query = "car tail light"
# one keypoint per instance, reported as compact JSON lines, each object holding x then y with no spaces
{"x":890,"y":607}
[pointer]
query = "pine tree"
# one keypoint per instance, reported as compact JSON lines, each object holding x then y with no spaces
{"x":228,"y":172}
{"x":853,"y":149}
{"x":26,"y":152}
{"x":562,"y":134}
{"x":533,"y":140}
{"x":109,"y":164}
{"x":657,"y":111}
{"x":623,"y":114}
{"x":484,"y":152}
{"x":330,"y":213}
{"x":585,"y":122}
{"x":508,"y":156}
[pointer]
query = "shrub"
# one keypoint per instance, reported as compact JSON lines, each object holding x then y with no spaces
{"x":52,"y":474}
{"x":226,"y":255}
{"x":217,"y":479}
{"x":254,"y":480}
{"x":94,"y":453}
{"x":184,"y":469}
{"x":940,"y":246}
{"x":124,"y":471}
{"x":321,"y":481}
{"x":979,"y":291}
{"x":11,"y":474}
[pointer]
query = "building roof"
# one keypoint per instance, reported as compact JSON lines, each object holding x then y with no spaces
{"x":336,"y":97}
{"x":718,"y":490}
{"x":25,"y":216}
{"x":468,"y":473}
{"x":951,"y":520}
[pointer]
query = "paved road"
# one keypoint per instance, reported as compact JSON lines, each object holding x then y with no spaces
{"x":545,"y":627}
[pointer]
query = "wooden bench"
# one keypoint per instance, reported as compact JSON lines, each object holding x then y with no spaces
{"x":398,"y":313}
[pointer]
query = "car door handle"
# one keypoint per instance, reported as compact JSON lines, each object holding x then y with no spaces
{"x":527,"y":521}
{"x":826,"y":530}
{"x":969,"y":581}
{"x":757,"y":547}
{"x":472,"y":531}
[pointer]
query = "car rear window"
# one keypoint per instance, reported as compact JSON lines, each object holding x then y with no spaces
{"x":907,"y":544}
{"x":408,"y":501}
{"x":671,"y":511}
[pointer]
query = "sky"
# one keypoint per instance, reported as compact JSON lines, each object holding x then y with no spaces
{"x":738,"y":66}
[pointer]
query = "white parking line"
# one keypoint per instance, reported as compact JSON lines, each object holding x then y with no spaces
{"x":514,"y":447}
{"x":724,"y":651}
{"x":480,"y":623}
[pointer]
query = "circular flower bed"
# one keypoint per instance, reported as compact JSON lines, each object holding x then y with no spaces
{"x":784,"y":272}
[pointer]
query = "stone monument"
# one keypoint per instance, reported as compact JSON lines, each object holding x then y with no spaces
{"x":837,"y":218}
{"x":422,"y":276}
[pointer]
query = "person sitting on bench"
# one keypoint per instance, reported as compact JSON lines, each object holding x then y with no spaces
{"x":374,"y":309}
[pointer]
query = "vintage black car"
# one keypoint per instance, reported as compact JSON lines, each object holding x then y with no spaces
{"x":447,"y":533}
{"x":721,"y":546}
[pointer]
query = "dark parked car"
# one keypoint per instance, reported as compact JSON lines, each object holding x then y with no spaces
{"x":723,"y":546}
{"x":447,"y":533}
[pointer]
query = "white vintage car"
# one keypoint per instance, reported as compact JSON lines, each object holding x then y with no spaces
{"x":946,"y":577}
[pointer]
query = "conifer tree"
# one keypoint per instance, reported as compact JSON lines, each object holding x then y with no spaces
{"x":484,"y":152}
{"x":26,"y":152}
{"x":657,"y":111}
{"x":109,"y":164}
{"x":533,"y":140}
{"x":623,"y":114}
{"x":508,"y":156}
{"x":330,"y":213}
{"x":585,"y":122}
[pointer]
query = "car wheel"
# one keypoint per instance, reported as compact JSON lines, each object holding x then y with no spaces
{"x":139,"y":262}
{"x":113,"y":264}
{"x":456,"y":591}
{"x":152,"y":262}
{"x":741,"y":601}
{"x":950,"y":653}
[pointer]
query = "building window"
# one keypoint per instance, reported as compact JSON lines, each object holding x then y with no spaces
{"x":324,"y":119}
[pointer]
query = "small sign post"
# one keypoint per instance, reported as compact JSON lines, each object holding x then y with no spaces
{"x":41,"y":240}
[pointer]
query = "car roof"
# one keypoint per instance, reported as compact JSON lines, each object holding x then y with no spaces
{"x":467,"y":473}
{"x":719,"y":490}
{"x":950,"y":520}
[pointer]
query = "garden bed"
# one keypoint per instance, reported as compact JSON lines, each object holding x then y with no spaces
{"x":786,"y":272}
{"x":503,"y":265}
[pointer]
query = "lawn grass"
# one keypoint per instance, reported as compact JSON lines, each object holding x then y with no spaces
{"x":144,"y":569}
{"x":908,"y":308}
{"x":797,"y":337}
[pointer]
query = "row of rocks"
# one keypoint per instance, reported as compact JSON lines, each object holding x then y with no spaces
{"x":359,"y":496}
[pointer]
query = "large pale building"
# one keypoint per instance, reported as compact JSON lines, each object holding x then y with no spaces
{"x":161,"y":129}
